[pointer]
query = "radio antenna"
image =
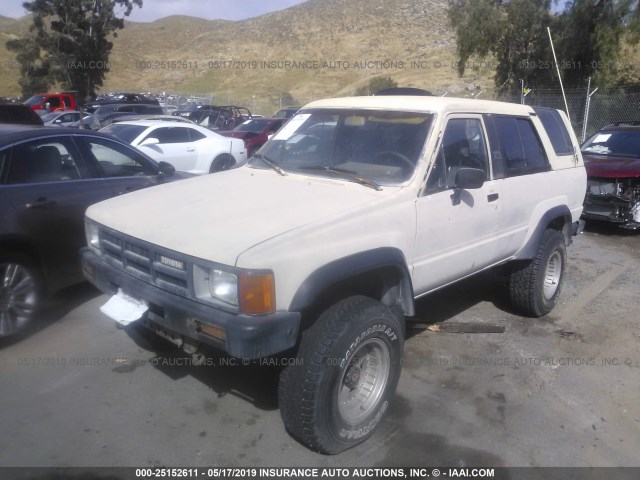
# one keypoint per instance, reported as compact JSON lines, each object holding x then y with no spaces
{"x":566,"y":106}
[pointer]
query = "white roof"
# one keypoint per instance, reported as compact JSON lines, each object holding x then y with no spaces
{"x":424,"y":104}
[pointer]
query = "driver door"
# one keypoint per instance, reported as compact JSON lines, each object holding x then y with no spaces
{"x":458,"y":230}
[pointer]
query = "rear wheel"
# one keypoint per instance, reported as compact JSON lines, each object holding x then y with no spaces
{"x":222,"y":162}
{"x":535,"y":287}
{"x":20,"y":293}
{"x":346,"y":374}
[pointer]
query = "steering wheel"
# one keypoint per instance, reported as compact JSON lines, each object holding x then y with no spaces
{"x":394,"y":156}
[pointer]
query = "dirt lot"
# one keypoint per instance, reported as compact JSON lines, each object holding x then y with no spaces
{"x":558,"y":391}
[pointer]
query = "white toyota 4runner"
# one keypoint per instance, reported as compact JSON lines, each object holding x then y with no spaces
{"x":321,"y":244}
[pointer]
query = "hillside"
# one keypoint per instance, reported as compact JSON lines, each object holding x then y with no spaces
{"x":316,"y":49}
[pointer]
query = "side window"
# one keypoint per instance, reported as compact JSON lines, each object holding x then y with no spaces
{"x":170,"y":135}
{"x":47,"y":160}
{"x":556,"y":130}
{"x":521,"y":150}
{"x":4,"y":162}
{"x":195,"y":135}
{"x":463,"y":145}
{"x":67,"y":102}
{"x":54,"y":102}
{"x":115,"y":160}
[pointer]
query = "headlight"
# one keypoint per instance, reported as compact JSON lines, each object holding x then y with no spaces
{"x":214,"y":284}
{"x":92,"y":233}
{"x":224,"y":286}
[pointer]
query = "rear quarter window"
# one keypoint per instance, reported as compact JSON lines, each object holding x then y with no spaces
{"x":556,"y":130}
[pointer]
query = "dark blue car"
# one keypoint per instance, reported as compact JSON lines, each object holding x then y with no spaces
{"x":48,"y":178}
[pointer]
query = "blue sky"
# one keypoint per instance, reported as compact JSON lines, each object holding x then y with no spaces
{"x":209,"y":9}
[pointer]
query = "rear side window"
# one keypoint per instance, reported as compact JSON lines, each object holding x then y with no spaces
{"x":195,"y":135}
{"x":555,"y":128}
{"x":520,"y":151}
{"x":171,"y":135}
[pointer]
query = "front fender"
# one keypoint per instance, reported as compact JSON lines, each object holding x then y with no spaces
{"x":355,"y":265}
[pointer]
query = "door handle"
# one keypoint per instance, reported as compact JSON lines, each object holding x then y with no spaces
{"x":41,"y":203}
{"x":492,"y":197}
{"x":191,"y":149}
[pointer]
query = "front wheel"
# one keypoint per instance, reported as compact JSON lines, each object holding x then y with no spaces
{"x":20,"y":293}
{"x":345,"y":376}
{"x":535,"y":287}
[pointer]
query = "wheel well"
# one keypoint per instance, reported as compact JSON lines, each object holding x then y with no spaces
{"x":382,"y":284}
{"x":558,"y":218}
{"x":17,"y":245}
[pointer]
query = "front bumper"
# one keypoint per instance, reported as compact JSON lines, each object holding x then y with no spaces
{"x":180,"y":318}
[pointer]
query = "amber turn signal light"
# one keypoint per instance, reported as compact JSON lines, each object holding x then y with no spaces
{"x":257,"y":294}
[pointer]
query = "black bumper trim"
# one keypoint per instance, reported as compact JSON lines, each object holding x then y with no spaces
{"x":247,"y":336}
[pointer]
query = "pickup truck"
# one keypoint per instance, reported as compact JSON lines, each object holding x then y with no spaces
{"x":52,"y":101}
{"x":320,"y":246}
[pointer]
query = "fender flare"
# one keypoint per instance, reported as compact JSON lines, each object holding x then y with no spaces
{"x":559,"y":212}
{"x":353,"y":265}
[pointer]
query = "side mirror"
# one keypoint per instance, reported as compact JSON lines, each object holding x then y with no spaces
{"x":166,"y":168}
{"x":469,"y":178}
{"x":466,"y":179}
{"x":149,"y":141}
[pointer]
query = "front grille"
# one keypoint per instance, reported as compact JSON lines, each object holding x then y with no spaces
{"x":166,"y":270}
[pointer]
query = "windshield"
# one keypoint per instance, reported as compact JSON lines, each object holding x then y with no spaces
{"x":35,"y":100}
{"x":126,"y":133}
{"x":619,"y":143}
{"x":380,"y":146}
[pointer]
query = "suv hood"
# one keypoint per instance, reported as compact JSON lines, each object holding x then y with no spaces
{"x":603,"y":166}
{"x":219,"y":216}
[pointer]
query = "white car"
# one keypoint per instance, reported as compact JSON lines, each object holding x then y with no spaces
{"x":189,"y":148}
{"x":61,"y":119}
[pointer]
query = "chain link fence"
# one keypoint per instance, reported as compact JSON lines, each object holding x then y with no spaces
{"x":589,"y":111}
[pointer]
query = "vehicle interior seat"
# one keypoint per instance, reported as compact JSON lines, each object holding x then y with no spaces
{"x":45,"y":165}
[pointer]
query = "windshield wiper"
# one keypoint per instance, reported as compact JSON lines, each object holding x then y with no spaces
{"x":270,"y":163}
{"x":349,"y":174}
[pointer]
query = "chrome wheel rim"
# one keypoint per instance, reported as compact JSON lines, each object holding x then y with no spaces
{"x":552,"y":275}
{"x":18,"y":297}
{"x":363,"y":381}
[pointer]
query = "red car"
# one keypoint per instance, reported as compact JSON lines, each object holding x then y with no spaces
{"x":255,"y":132}
{"x":612,"y":161}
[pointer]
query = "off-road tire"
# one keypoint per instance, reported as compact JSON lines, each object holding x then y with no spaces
{"x":535,"y":286}
{"x":356,"y":343}
{"x":21,"y":293}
